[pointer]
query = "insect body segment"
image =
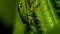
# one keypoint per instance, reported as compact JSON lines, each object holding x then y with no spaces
{"x":33,"y":24}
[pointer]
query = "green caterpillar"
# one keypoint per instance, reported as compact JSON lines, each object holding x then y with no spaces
{"x":46,"y":16}
{"x":31,"y":19}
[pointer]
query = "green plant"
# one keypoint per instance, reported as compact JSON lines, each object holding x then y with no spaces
{"x":31,"y":16}
{"x":45,"y":13}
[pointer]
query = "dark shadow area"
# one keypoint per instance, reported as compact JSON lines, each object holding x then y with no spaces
{"x":3,"y":29}
{"x":57,"y":7}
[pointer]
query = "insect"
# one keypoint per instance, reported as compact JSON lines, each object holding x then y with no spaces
{"x":31,"y":18}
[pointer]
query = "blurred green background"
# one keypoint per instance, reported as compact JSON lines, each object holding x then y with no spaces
{"x":9,"y":18}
